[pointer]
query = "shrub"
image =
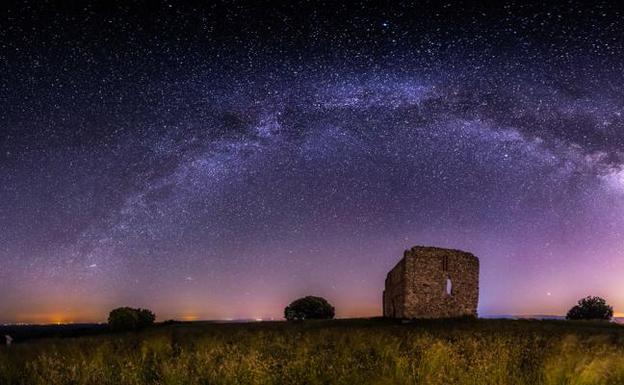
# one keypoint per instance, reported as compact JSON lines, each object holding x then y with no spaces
{"x":590,"y":308}
{"x":127,"y":318}
{"x":309,"y":308}
{"x":146,"y":318}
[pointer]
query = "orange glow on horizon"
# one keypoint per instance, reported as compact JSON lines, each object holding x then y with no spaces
{"x":54,"y":317}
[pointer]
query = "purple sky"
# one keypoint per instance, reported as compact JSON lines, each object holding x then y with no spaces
{"x":219,"y":162}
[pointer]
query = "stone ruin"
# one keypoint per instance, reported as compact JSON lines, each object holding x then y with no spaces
{"x":431,"y":282}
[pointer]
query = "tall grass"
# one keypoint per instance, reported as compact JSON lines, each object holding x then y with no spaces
{"x":331,"y":352}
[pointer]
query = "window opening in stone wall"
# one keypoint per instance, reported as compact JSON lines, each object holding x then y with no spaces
{"x":449,"y":286}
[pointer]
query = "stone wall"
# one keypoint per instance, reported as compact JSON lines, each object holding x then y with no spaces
{"x":394,"y":292}
{"x":431,"y":282}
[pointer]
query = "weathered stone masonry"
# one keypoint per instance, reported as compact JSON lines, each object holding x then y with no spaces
{"x":431,"y":282}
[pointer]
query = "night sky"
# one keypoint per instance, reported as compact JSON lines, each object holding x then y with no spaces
{"x":218,"y":161}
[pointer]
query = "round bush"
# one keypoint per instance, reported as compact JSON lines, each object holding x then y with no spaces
{"x":127,"y":318}
{"x":309,"y":308}
{"x":591,"y":308}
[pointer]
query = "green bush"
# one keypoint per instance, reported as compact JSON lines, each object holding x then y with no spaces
{"x":146,"y":318}
{"x":591,"y":308}
{"x":127,"y":318}
{"x":309,"y":307}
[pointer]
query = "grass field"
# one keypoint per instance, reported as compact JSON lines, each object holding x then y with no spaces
{"x":329,"y":352}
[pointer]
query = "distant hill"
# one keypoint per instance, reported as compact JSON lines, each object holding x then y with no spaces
{"x":522,"y":316}
{"x":619,"y":320}
{"x":26,"y":332}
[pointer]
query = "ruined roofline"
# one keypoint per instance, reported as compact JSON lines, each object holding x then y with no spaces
{"x":440,"y":249}
{"x":417,"y":248}
{"x":396,"y":264}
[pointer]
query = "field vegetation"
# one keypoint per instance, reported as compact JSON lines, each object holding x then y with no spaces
{"x":364,"y":351}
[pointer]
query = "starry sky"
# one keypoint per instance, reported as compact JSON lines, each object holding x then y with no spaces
{"x":218,"y":161}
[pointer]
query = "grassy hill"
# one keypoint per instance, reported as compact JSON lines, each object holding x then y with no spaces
{"x":362,"y":351}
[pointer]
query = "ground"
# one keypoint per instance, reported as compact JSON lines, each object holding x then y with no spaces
{"x":362,"y":351}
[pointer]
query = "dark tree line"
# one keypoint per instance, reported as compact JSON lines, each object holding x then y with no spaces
{"x":311,"y":307}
